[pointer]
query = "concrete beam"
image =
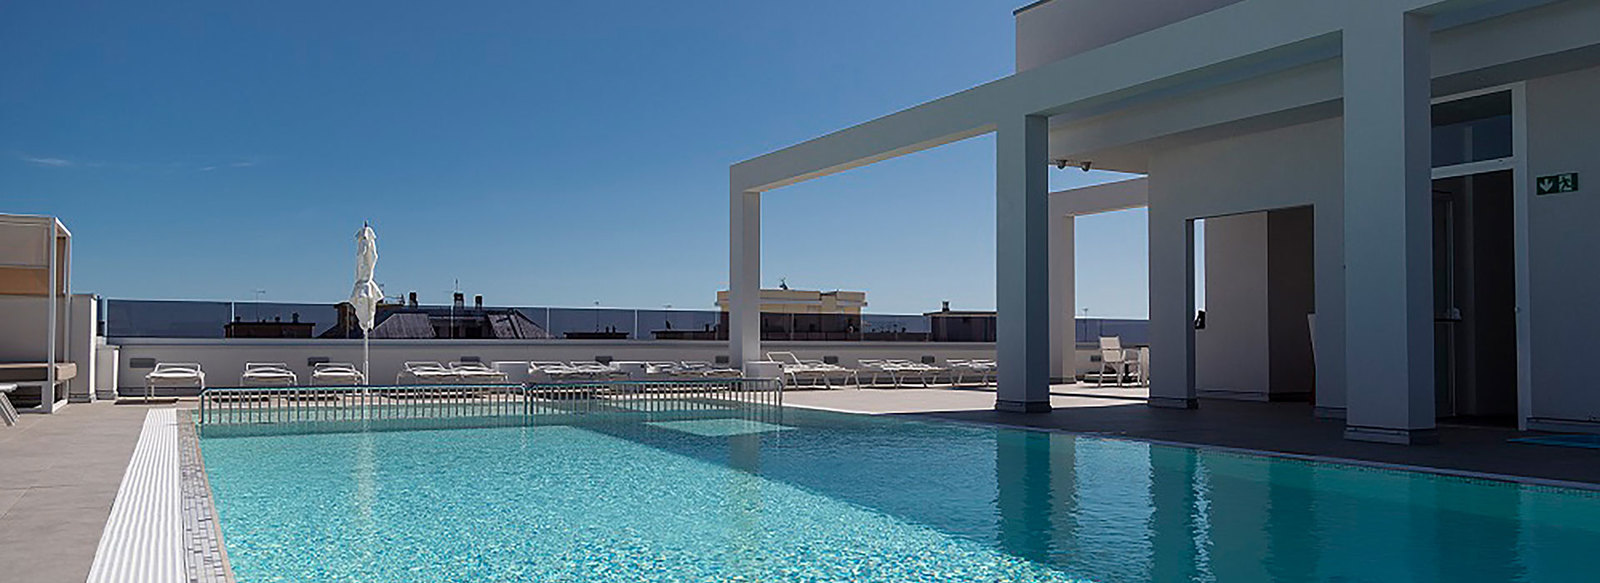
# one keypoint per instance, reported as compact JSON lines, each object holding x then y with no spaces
{"x":1157,"y":60}
{"x":1101,"y":198}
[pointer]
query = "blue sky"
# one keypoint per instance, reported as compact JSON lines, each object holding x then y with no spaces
{"x":543,"y":153}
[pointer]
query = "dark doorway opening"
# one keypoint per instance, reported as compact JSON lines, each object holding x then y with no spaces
{"x":1474,"y":265}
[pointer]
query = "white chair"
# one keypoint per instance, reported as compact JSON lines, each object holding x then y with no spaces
{"x":1114,"y":358}
{"x":326,"y":374}
{"x":425,"y":372}
{"x":476,"y":372}
{"x":268,"y":374}
{"x":174,"y":374}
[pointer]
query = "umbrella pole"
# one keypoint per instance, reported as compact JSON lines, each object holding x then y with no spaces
{"x":366,"y":358}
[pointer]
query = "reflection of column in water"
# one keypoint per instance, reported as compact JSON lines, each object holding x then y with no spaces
{"x":1114,"y":502}
{"x":1180,"y":521}
{"x":1473,"y":531}
{"x":1239,"y":510}
{"x":743,"y":508}
{"x":1556,"y":533}
{"x":1063,"y":484}
{"x":365,"y":471}
{"x":1294,"y":544}
{"x":1022,"y":477}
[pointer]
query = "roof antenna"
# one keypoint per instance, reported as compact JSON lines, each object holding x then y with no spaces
{"x":783,"y":283}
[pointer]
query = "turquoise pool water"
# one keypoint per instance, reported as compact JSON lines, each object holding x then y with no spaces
{"x":815,"y":496}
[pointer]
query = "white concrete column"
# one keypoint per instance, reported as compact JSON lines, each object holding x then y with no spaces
{"x":1171,"y":311}
{"x":1022,"y":265}
{"x":744,"y":278}
{"x":47,"y":399}
{"x":1063,"y":298}
{"x":1330,"y":338}
{"x":1388,"y":234}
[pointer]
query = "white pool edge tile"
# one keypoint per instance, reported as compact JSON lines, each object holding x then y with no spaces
{"x":143,"y":536}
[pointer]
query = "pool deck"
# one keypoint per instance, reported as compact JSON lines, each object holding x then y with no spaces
{"x":1282,"y":428}
{"x":58,"y":477}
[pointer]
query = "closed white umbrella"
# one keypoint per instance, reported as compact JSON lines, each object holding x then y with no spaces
{"x":366,"y":295}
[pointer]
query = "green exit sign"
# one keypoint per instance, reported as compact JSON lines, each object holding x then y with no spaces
{"x":1557,"y":183}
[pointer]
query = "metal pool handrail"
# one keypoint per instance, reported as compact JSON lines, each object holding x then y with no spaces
{"x":498,"y":402}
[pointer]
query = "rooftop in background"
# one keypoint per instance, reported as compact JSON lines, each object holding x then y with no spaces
{"x":414,"y":322}
{"x":800,"y":301}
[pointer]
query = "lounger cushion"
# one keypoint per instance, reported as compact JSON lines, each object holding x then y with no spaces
{"x":33,"y":372}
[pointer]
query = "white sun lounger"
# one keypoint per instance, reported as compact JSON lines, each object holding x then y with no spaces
{"x":426,"y":372}
{"x":336,"y":374}
{"x":476,"y":372}
{"x":597,"y":370}
{"x":982,"y":368}
{"x":795,"y":368}
{"x":8,"y":414}
{"x":666,"y":369}
{"x":553,"y":371}
{"x":174,"y":374}
{"x":268,"y":374}
{"x":703,"y":368}
{"x":927,"y":373}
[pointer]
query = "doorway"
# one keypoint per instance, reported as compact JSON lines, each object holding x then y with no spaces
{"x":1474,"y":266}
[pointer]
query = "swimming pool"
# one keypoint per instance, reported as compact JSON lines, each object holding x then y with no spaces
{"x":818,"y":496}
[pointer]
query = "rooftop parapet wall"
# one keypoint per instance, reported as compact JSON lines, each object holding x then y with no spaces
{"x":1056,"y":29}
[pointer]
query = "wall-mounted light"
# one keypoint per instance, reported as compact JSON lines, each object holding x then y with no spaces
{"x":1085,"y":165}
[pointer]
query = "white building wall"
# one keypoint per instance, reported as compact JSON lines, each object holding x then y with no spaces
{"x":1231,"y":353}
{"x":1288,"y":167}
{"x":82,"y":341}
{"x":1564,"y":242}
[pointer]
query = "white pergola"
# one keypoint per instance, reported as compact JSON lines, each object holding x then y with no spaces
{"x":36,"y":272}
{"x":1385,"y":72}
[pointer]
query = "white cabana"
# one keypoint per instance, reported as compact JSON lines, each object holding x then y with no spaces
{"x":35,"y":286}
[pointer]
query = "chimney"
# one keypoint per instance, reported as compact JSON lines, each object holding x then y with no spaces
{"x":460,"y":299}
{"x":477,"y":301}
{"x":413,"y":298}
{"x":945,"y":305}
